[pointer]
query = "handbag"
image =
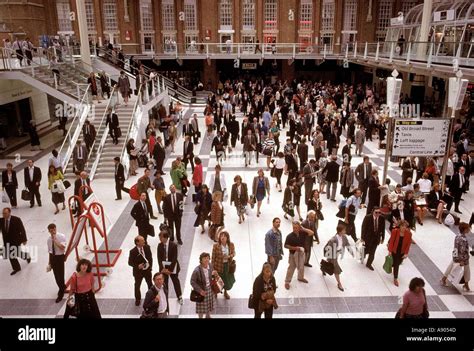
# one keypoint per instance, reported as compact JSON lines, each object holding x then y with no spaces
{"x":25,"y":195}
{"x":327,"y":267}
{"x":196,"y":297}
{"x":59,"y":186}
{"x":72,"y":304}
{"x":387,"y":266}
{"x":251,"y":303}
{"x":67,"y":184}
{"x":232,"y":267}
{"x":273,"y":172}
{"x":457,"y":272}
{"x":217,"y":284}
{"x":118,"y":132}
{"x":320,"y":215}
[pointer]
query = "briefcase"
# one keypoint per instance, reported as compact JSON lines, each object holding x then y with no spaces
{"x":151,"y":230}
{"x":118,"y":133}
{"x":327,"y":267}
{"x":25,"y":195}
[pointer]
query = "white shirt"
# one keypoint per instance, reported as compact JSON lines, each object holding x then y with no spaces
{"x":339,"y":242}
{"x":280,"y":163}
{"x":407,"y":187}
{"x":206,"y":277}
{"x":163,"y":304}
{"x":61,"y":238}
{"x":55,"y":161}
{"x":31,"y":171}
{"x":225,"y":252}
{"x":425,"y":185}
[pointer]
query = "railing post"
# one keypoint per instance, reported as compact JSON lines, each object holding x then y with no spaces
{"x":392,"y":48}
{"x":377,"y":51}
{"x":430,"y":56}
{"x":365,"y":50}
{"x":207,"y":50}
{"x":238,"y":50}
{"x":32,"y":70}
{"x":78,"y":90}
{"x":355,"y":49}
{"x":347,"y":50}
{"x":324,"y":53}
{"x":407,"y":61}
{"x":153,"y":88}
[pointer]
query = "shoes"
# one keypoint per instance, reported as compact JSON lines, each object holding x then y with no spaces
{"x":39,"y":205}
{"x":203,"y":231}
{"x":370,"y":267}
{"x":301,"y":219}
{"x":118,"y":199}
{"x":287,"y":286}
{"x":339,"y":286}
{"x":395,"y":282}
{"x":443,"y":282}
{"x":56,"y":212}
{"x":226,"y":295}
{"x":64,"y":207}
{"x":14,"y":272}
{"x":137,"y":302}
{"x":31,"y":206}
{"x":28,"y":260}
{"x":303,"y":280}
{"x":465,"y":288}
{"x":308,"y":265}
{"x":333,"y":200}
{"x":180,"y":300}
{"x":160,"y":212}
{"x":180,"y":242}
{"x":59,"y":299}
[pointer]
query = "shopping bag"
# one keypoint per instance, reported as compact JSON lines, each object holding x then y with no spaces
{"x":5,"y":198}
{"x":360,"y":251}
{"x":457,"y":272}
{"x":387,"y":266}
{"x":134,"y":192}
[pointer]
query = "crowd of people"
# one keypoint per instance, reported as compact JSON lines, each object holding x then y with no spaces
{"x":311,"y":114}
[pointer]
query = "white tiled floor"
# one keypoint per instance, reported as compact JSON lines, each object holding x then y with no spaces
{"x":435,"y":241}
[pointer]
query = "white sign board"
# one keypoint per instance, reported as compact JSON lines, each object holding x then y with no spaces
{"x":420,"y":137}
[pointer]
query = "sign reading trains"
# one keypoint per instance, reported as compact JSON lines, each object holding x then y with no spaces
{"x":420,"y":137}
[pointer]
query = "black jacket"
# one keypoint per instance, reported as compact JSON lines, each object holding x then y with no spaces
{"x":16,"y":232}
{"x":135,"y":259}
{"x":370,"y":234}
{"x":112,"y":121}
{"x":302,"y":152}
{"x":291,"y":163}
{"x":5,"y":179}
{"x":168,"y":208}
{"x":78,"y":184}
{"x":332,"y":168}
{"x":455,"y":186}
{"x":432,"y":200}
{"x":189,"y":151}
{"x":36,"y":177}
{"x":258,"y":288}
{"x":172,"y":256}
{"x":120,"y":174}
{"x":150,"y":305}
{"x":141,"y":217}
{"x":158,"y":152}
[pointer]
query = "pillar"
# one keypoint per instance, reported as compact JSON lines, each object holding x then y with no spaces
{"x":83,"y":33}
{"x":424,"y":29}
{"x":338,"y":20}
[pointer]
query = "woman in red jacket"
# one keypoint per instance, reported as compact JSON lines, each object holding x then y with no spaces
{"x":197,"y":174}
{"x":398,"y":246}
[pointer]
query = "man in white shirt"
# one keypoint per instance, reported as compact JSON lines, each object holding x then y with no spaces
{"x":56,"y":249}
{"x":156,"y":299}
{"x":425,"y":183}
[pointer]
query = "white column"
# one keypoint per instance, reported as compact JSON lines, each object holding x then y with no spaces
{"x":83,"y":33}
{"x":424,"y":28}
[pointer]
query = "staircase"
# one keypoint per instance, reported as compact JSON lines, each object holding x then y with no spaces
{"x":106,"y":166}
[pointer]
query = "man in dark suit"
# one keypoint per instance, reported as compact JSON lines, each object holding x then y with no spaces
{"x":32,"y":182}
{"x":142,"y":217}
{"x":119,"y":178}
{"x":363,"y":173}
{"x":309,"y":172}
{"x":457,"y":186}
{"x":332,"y":177}
{"x":159,"y":155}
{"x":89,"y":133}
{"x":141,"y":259}
{"x":188,"y":152}
{"x":346,"y":151}
{"x":195,"y":128}
{"x":14,"y":235}
{"x":465,"y":162}
{"x":373,"y":234}
{"x":291,"y":164}
{"x":79,"y":156}
{"x":168,"y":263}
{"x":302,"y":151}
{"x":10,"y":183}
{"x":156,"y":299}
{"x":408,"y":166}
{"x":85,"y":182}
{"x":173,"y":211}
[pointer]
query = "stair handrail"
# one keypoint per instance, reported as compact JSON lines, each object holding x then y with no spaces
{"x":103,"y":140}
{"x":132,"y":128}
{"x":75,"y":129}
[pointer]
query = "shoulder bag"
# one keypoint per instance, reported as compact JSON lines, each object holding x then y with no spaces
{"x":72,"y":304}
{"x":232,"y":267}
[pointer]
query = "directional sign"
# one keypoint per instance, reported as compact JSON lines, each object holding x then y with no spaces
{"x":420,"y":137}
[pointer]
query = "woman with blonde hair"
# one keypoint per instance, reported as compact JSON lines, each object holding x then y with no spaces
{"x":223,"y":253}
{"x":172,"y":135}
